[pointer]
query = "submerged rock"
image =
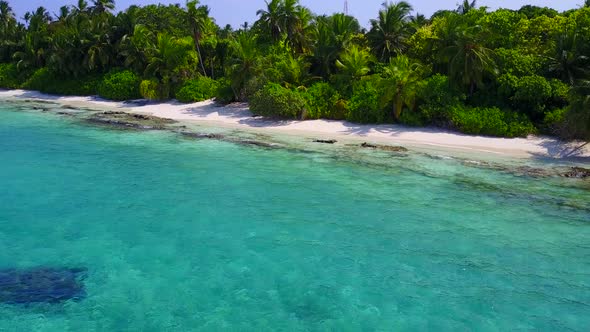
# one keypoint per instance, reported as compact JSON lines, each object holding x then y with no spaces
{"x":523,"y":170}
{"x":384,"y":147}
{"x":42,"y":285}
{"x":130,"y":121}
{"x":577,"y":173}
{"x":325,"y":141}
{"x":256,"y":143}
{"x":202,"y":135}
{"x":235,"y":140}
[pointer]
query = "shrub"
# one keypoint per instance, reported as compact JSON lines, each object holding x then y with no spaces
{"x":559,"y":93}
{"x":365,"y":104}
{"x":507,"y":85}
{"x":150,"y":89}
{"x":435,"y":97}
{"x":414,"y":119}
{"x":119,"y":85}
{"x":323,"y":102}
{"x":198,"y":89}
{"x":276,"y":101}
{"x":44,"y":80}
{"x":224,"y":93}
{"x":517,"y":63}
{"x":9,"y":76}
{"x":531,"y":95}
{"x":554,"y":121}
{"x":490,"y":121}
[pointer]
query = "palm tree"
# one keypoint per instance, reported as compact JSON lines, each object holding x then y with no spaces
{"x":81,"y":7}
{"x":389,"y":32}
{"x":417,"y":21}
{"x":198,"y":17}
{"x":167,"y":56}
{"x":466,"y":7}
{"x":271,"y":20}
{"x":133,"y":47}
{"x":354,"y":63}
{"x":466,"y":57}
{"x":331,"y":36}
{"x":38,"y":20}
{"x":8,"y":29}
{"x":101,"y":6}
{"x":299,"y":29}
{"x":35,"y":42}
{"x":7,"y":19}
{"x":101,"y":50}
{"x":243,"y":61}
{"x":400,"y":78}
{"x":569,"y":61}
{"x":64,"y":14}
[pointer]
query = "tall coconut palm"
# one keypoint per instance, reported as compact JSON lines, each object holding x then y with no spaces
{"x":299,"y":29}
{"x":569,"y":61}
{"x":243,"y":61}
{"x":166,"y":57}
{"x":332,"y":34}
{"x":466,"y":57}
{"x":64,"y":14}
{"x":8,"y":29}
{"x":354,"y":63}
{"x":80,"y":7}
{"x":102,"y":6}
{"x":101,"y":49}
{"x":35,"y":43}
{"x":198,"y":17}
{"x":271,"y":20}
{"x":466,"y":6}
{"x":417,"y":21}
{"x":134,"y":48}
{"x":38,"y":20}
{"x":7,"y":19}
{"x":400,"y":78}
{"x":389,"y":32}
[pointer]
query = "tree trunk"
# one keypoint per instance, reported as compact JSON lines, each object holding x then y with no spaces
{"x":200,"y":56}
{"x":397,"y":107}
{"x":212,"y":69}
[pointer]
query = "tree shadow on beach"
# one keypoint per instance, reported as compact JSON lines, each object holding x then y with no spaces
{"x":38,"y":95}
{"x":392,"y":130}
{"x":564,"y":151}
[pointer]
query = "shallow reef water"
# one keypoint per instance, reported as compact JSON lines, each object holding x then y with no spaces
{"x":182,"y":233}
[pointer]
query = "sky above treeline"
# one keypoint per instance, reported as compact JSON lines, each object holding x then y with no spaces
{"x":236,"y":12}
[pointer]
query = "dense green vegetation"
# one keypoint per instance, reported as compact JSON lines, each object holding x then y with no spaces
{"x":504,"y":73}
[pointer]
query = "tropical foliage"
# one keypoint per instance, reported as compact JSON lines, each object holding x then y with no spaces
{"x":504,"y":72}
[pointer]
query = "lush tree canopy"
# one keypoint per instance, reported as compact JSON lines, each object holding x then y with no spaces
{"x":504,"y":72}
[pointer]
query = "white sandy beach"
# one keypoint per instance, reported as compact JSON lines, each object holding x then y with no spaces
{"x":238,"y":116}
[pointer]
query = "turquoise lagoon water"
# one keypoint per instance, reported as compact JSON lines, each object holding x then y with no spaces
{"x":184,"y":235}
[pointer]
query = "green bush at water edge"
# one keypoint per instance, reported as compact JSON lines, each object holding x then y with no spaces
{"x":277,"y":102}
{"x":198,"y":89}
{"x":324,"y":102}
{"x":44,"y":80}
{"x":119,"y":85}
{"x":9,"y":76}
{"x":365,"y":105}
{"x":490,"y":122}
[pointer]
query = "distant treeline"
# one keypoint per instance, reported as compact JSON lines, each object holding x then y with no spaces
{"x":502,"y":73}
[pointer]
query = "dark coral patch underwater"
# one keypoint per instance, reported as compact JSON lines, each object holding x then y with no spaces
{"x":42,"y":285}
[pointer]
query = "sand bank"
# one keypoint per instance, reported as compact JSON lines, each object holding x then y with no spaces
{"x":238,"y":116}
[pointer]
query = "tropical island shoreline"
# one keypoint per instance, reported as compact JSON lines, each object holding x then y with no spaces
{"x":238,"y":116}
